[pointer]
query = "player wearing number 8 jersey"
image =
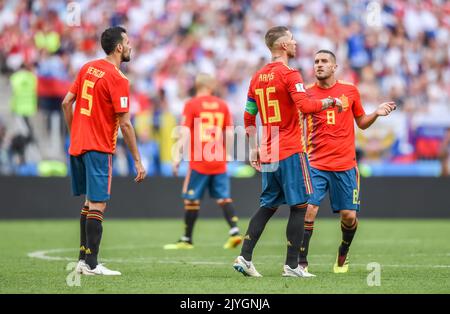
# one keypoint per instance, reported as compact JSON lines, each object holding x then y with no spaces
{"x":331,"y":151}
{"x":102,"y":103}
{"x":277,"y":93}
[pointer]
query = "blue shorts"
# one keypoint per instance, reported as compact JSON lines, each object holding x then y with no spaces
{"x":196,"y":183}
{"x":286,"y":182}
{"x":342,"y":185}
{"x":91,"y":175}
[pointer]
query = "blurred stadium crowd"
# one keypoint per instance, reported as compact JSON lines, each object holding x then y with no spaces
{"x":393,"y":50}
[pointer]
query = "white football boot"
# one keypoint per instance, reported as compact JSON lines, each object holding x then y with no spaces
{"x":80,"y":265}
{"x":297,"y":272}
{"x":99,"y":270}
{"x":245,"y":267}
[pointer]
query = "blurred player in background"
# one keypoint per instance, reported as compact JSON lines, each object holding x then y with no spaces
{"x":101,"y":92}
{"x":276,"y":91}
{"x":332,"y":156}
{"x":206,"y":118}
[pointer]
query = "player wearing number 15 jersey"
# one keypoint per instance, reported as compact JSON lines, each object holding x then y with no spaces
{"x":331,"y":151}
{"x":277,"y":93}
{"x":102,"y":102}
{"x":206,"y":119}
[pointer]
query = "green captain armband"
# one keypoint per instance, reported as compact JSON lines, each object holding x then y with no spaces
{"x":251,"y":106}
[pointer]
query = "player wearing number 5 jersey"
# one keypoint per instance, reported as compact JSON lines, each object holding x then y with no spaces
{"x":277,"y":93}
{"x":101,"y":93}
{"x":206,"y":119}
{"x":331,"y":151}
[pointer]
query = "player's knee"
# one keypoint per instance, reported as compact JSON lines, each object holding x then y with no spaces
{"x":191,"y":204}
{"x":348,"y":217}
{"x":100,"y":206}
{"x":311,"y":212}
{"x":224,"y":201}
{"x":299,"y":207}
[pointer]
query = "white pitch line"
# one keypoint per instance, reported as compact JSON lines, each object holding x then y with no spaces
{"x":43,"y":256}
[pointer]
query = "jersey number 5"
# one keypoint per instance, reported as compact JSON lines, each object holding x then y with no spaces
{"x":270,"y":103}
{"x":85,"y":95}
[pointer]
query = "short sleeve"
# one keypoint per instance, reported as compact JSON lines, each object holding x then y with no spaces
{"x":76,"y":84}
{"x":188,"y":116}
{"x":250,"y":106}
{"x":120,"y":95}
{"x":357,"y":107}
{"x":294,"y":83}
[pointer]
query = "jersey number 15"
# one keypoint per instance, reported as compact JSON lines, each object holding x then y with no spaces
{"x":270,"y":103}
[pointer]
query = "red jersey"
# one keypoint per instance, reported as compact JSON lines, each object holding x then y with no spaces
{"x":207,"y":117}
{"x":102,"y":91}
{"x":331,"y":135}
{"x":277,"y":91}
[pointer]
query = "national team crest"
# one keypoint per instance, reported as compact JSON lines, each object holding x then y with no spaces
{"x":344,"y":100}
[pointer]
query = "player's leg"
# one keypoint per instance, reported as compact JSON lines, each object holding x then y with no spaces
{"x":94,"y":232}
{"x":271,"y":198}
{"x":78,"y":177}
{"x":191,"y":210}
{"x":230,"y":216}
{"x":99,"y":176}
{"x":219,"y":189}
{"x":83,"y":219}
{"x":294,"y":233}
{"x":319,"y":181}
{"x":297,"y":187}
{"x":193,"y":189}
{"x":243,"y":262}
{"x":344,"y":192}
{"x":349,"y":225}
{"x":310,"y":216}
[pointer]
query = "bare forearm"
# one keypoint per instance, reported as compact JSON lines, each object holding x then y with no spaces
{"x":68,"y":115}
{"x":367,"y":120}
{"x":130,"y":139}
{"x":66,"y":105}
{"x":307,"y":105}
{"x":250,"y":130}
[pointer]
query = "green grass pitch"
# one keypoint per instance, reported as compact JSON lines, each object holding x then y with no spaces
{"x":414,"y":256}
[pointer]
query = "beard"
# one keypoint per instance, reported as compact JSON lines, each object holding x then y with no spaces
{"x":322,"y":76}
{"x":126,"y":58}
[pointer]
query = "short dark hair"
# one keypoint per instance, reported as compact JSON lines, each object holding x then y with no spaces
{"x":111,"y":37}
{"x":328,"y":52}
{"x":273,"y":34}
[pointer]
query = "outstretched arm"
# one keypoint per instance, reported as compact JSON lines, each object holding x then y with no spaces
{"x":301,"y":99}
{"x":383,"y":109}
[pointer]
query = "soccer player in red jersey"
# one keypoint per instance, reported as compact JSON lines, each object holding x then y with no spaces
{"x":101,"y":92}
{"x":206,"y":119}
{"x":332,"y":156}
{"x":276,"y":91}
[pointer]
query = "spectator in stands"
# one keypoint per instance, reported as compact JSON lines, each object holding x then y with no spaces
{"x":405,"y":57}
{"x":24,"y":97}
